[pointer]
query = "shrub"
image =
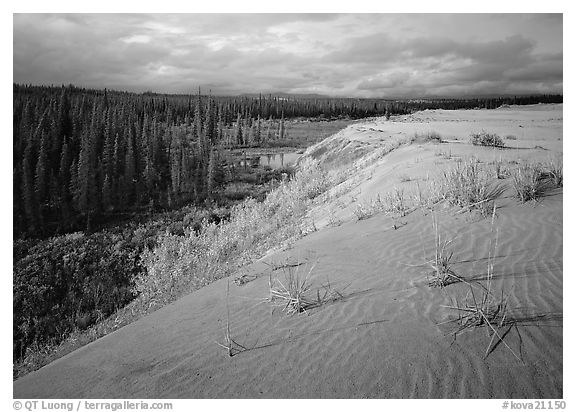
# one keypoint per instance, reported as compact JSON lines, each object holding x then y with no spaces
{"x":364,"y":211}
{"x":486,"y":139}
{"x":395,"y":202}
{"x":69,"y":282}
{"x":429,"y":136}
{"x":181,"y":263}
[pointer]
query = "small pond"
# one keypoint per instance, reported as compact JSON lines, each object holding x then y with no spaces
{"x":273,"y":160}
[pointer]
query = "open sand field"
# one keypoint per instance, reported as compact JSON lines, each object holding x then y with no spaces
{"x":385,"y":335}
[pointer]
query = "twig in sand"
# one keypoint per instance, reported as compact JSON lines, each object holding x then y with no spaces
{"x":230,"y":344}
{"x":277,"y":266}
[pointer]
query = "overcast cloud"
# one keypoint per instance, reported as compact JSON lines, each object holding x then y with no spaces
{"x":364,"y":55}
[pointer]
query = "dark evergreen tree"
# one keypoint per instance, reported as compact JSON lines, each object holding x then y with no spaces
{"x":281,"y":130}
{"x":129,"y":178}
{"x":85,"y":195}
{"x":107,"y":194}
{"x":64,"y":184}
{"x":215,"y":176}
{"x":258,"y":132}
{"x":41,"y":175}
{"x":239,"y":135}
{"x":28,"y":192}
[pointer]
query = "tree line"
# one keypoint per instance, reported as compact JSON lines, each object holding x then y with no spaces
{"x":83,"y":155}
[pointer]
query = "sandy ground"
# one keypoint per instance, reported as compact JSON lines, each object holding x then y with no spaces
{"x":385,"y":338}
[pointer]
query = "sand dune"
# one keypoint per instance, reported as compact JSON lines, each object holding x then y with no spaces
{"x":384,"y":337}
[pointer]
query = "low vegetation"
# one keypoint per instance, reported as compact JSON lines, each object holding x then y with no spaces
{"x":181,"y":263}
{"x":157,"y":262}
{"x":487,"y":139}
{"x":71,"y":282}
{"x":554,"y":168}
{"x":429,"y":136}
{"x":529,"y":182}
{"x":470,"y":187}
{"x":231,"y":346}
{"x":394,"y":203}
{"x":295,"y":293}
{"x":68,"y":284}
{"x":484,"y":308}
{"x":500,"y":169}
{"x":442,"y":273}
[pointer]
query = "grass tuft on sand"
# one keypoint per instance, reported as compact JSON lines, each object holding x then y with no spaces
{"x":470,"y":187}
{"x":530,"y":182}
{"x":442,"y":273}
{"x":295,"y":294}
{"x":486,"y":308}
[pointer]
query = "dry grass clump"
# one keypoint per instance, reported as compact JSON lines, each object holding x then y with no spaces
{"x":554,"y":168}
{"x":429,"y":195}
{"x":484,"y":309}
{"x":364,"y":211}
{"x":487,"y":310}
{"x":530,"y":182}
{"x":333,"y":221}
{"x":295,"y":293}
{"x":469,"y":187}
{"x":500,"y":169}
{"x":487,"y":139}
{"x":395,"y":202}
{"x":442,"y":274}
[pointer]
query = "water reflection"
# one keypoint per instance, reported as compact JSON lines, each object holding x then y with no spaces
{"x":273,"y":160}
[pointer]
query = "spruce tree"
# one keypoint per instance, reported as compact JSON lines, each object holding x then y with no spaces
{"x":28,"y":192}
{"x":86,"y":180}
{"x":209,"y":126}
{"x":258,"y":132}
{"x":64,"y":182}
{"x":239,"y":137}
{"x":215,"y":175}
{"x":281,"y":129}
{"x":42,"y":173}
{"x":269,"y":136}
{"x":107,"y":194}
{"x":129,"y":177}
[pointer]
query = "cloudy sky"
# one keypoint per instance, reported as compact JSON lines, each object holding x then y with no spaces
{"x":364,"y":55}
